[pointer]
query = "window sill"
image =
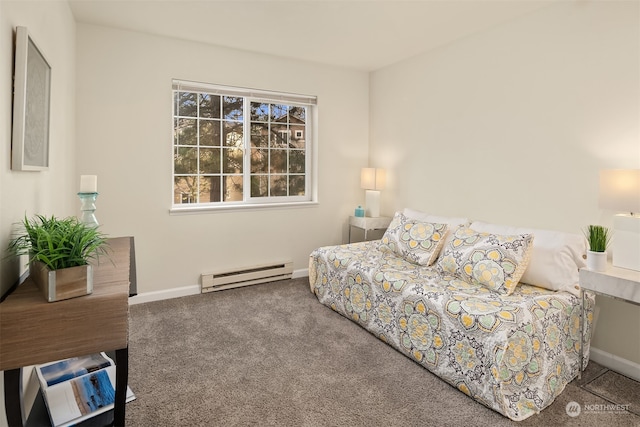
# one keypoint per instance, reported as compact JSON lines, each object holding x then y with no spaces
{"x":201,"y":209}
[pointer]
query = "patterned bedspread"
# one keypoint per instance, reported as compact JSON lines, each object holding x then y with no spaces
{"x":513,"y":353}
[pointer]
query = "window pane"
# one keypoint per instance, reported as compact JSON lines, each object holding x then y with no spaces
{"x":259,"y":160}
{"x":210,"y":132}
{"x":232,"y":160}
{"x":185,"y":189}
{"x":278,"y":185}
{"x":259,"y":185}
{"x":279,"y":113}
{"x":209,"y":160}
{"x":297,"y":139}
{"x":187,"y":104}
{"x":185,"y":132}
{"x":259,"y":135}
{"x":232,"y":188}
{"x":209,"y":106}
{"x":259,"y":112}
{"x":296,"y":161}
{"x":185,"y":160}
{"x":232,"y":107}
{"x":296,"y":185}
{"x":298,"y":115}
{"x":175,"y":131}
{"x":279,"y":136}
{"x":233,"y":134}
{"x":209,"y":189}
{"x":278,"y":161}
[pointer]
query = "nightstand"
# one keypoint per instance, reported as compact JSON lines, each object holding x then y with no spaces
{"x":367,"y":224}
{"x":34,"y":331}
{"x":618,"y":283}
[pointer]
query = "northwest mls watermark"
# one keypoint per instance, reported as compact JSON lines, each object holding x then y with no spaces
{"x":574,"y":408}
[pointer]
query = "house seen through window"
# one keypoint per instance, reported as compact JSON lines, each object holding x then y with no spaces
{"x":235,"y":146}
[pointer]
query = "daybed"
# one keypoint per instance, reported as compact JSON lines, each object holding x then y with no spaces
{"x":492,"y":310}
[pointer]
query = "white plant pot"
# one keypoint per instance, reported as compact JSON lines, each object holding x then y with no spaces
{"x":597,"y":261}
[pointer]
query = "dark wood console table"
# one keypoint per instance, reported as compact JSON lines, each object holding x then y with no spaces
{"x":34,"y":331}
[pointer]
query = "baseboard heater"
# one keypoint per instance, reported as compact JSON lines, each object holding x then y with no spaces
{"x":246,"y":276}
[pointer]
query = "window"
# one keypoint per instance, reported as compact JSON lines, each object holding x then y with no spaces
{"x":236,"y":146}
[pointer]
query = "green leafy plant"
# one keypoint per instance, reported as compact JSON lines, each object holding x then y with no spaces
{"x":58,"y":243}
{"x":598,"y":237}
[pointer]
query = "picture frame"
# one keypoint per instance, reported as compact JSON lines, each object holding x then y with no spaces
{"x":31,"y":105}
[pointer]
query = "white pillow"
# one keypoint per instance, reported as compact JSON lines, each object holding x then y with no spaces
{"x":425,"y":217}
{"x":556,"y":256}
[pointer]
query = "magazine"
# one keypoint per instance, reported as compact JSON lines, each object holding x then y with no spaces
{"x":78,"y":388}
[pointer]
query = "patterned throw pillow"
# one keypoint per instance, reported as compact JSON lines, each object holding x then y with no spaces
{"x":416,"y":241}
{"x":494,"y":261}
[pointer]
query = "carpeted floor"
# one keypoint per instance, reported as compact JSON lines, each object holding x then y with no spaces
{"x":271,"y":354}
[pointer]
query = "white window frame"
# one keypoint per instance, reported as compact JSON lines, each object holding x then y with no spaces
{"x":249,"y":96}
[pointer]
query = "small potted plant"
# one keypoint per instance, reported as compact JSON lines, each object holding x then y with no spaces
{"x":598,"y":238}
{"x":60,"y":252}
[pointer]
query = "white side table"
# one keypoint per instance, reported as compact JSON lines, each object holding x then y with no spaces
{"x":618,"y":283}
{"x":368,"y":224}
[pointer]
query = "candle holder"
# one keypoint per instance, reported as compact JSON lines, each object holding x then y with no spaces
{"x":88,"y":208}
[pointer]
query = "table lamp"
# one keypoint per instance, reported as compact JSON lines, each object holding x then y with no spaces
{"x":372,"y":180}
{"x":620,"y":192}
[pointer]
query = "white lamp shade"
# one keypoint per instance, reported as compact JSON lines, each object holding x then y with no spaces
{"x":373,"y":179}
{"x":620,"y":190}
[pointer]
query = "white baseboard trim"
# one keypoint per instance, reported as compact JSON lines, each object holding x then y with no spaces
{"x":165,"y":294}
{"x":615,"y":363}
{"x":187,"y":290}
{"x":300,"y":273}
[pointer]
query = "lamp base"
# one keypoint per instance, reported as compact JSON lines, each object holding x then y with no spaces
{"x":372,"y":203}
{"x":88,"y":208}
{"x":626,"y":242}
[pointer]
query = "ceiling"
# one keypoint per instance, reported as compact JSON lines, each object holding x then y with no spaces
{"x":359,"y":34}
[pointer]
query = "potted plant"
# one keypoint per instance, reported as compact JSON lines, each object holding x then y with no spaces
{"x":60,"y":252}
{"x":598,"y":238}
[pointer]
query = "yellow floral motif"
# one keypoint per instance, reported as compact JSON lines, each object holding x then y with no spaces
{"x":517,"y":354}
{"x":467,"y":321}
{"x":474,"y":313}
{"x":420,"y":332}
{"x":463,"y":388}
{"x":437,"y":341}
{"x":465,"y":355}
{"x":489,"y":274}
{"x":392,"y":280}
{"x":357,"y":298}
{"x":385,"y":314}
{"x":519,"y":360}
{"x":358,"y":301}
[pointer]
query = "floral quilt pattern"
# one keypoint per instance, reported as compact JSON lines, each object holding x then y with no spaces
{"x":513,"y":353}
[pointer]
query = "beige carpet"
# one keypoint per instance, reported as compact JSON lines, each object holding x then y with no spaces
{"x":273,"y":355}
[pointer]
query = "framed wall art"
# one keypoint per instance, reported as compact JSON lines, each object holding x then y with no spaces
{"x":31,"y":104}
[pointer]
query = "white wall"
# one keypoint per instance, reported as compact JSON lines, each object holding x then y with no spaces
{"x":124,"y":127}
{"x":512,"y":126}
{"x":52,"y":192}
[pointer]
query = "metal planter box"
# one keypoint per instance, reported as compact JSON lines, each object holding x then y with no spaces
{"x":57,"y":285}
